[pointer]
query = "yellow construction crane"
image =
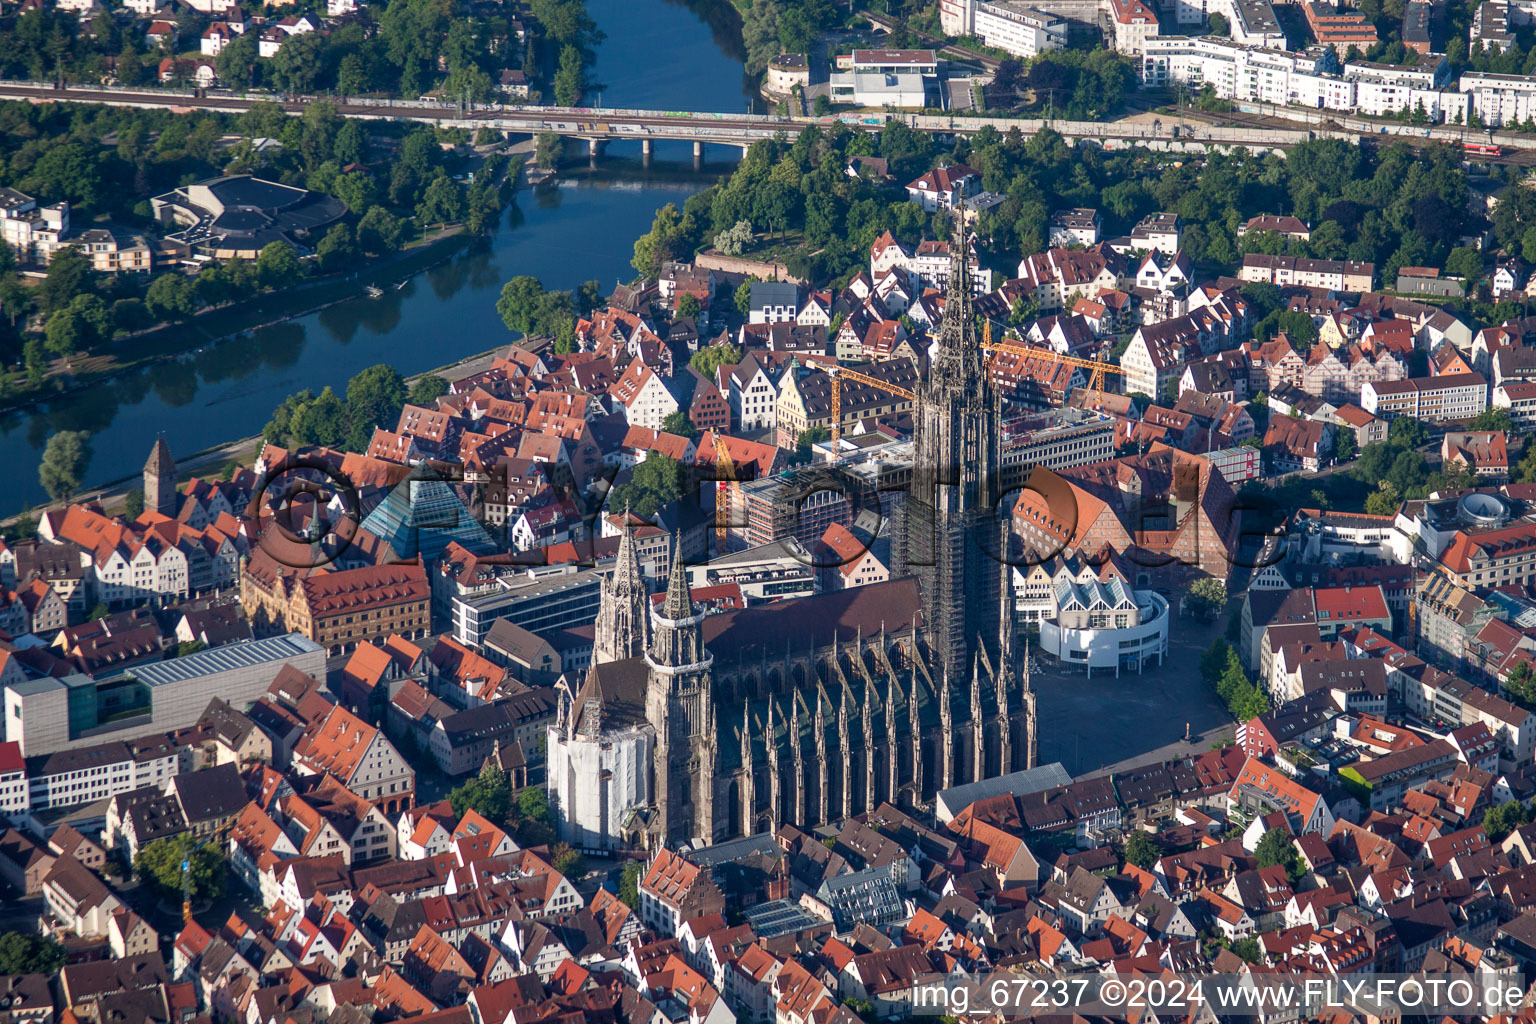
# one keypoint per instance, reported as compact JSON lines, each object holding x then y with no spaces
{"x":838,"y":373}
{"x":1098,"y":366}
{"x":726,"y":474}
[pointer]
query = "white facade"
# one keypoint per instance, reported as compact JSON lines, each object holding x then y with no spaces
{"x":872,"y":89}
{"x":755,"y":402}
{"x":1020,"y":30}
{"x":33,"y":232}
{"x":651,"y":404}
{"x":1305,"y":79}
{"x":1110,"y":647}
{"x":1500,"y":99}
{"x":595,"y":781}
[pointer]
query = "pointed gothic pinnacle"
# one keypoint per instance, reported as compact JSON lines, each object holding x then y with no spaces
{"x":679,"y":604}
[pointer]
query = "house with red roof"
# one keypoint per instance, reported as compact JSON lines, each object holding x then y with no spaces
{"x":1262,"y":788}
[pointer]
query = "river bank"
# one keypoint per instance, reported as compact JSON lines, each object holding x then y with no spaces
{"x":224,"y":323}
{"x":579,"y":226}
{"x":211,"y":461}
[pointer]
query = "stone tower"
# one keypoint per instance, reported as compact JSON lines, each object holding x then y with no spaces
{"x":160,"y":480}
{"x":623,"y":628}
{"x":679,"y":706}
{"x":948,"y":534}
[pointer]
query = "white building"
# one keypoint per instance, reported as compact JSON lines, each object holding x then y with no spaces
{"x":1076,"y":227}
{"x":873,"y":89}
{"x":1382,"y":89}
{"x":33,"y":232}
{"x":1132,"y":23}
{"x":1106,"y":626}
{"x":591,"y":740}
{"x":1019,"y":29}
{"x":1500,"y":99}
{"x":643,"y":397}
{"x":753,"y":395}
{"x":1251,"y":22}
{"x":1519,"y":397}
{"x":1452,"y":396}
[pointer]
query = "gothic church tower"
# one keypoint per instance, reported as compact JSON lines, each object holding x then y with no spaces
{"x":679,"y":705}
{"x":623,"y":628}
{"x":948,"y":534}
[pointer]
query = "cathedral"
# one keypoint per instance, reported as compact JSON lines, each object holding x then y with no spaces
{"x":693,"y":728}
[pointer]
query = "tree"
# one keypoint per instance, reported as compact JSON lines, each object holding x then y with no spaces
{"x":159,"y":864}
{"x":171,"y":296}
{"x":337,"y":249}
{"x":1141,"y":849}
{"x":672,"y":235}
{"x":65,"y":333}
{"x":679,"y":423}
{"x":27,"y":953}
{"x":133,"y":504}
{"x":1500,"y":821}
{"x":379,"y":232}
{"x":688,"y":304}
{"x":1277,"y":847}
{"x":570,"y":78}
{"x":489,"y":794}
{"x":1465,"y":262}
{"x":711,"y":357}
{"x":1214,"y":662}
{"x":760,"y":35}
{"x":1494,"y":419}
{"x":442,"y":203}
{"x":1407,"y":433}
{"x":526,"y":307}
{"x":1206,"y":597}
{"x":427,"y":390}
{"x":277,"y":265}
{"x":734,"y":239}
{"x":629,"y":885}
{"x":69,"y":275}
{"x":1344,"y":447}
{"x":374,"y":398}
{"x":567,"y":860}
{"x":64,"y":461}
{"x":744,"y":297}
{"x":656,"y":482}
{"x":549,"y":151}
{"x":1384,"y":500}
{"x":1520,"y":684}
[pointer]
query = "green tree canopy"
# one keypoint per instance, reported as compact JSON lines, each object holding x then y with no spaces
{"x":1141,"y":849}
{"x":711,"y":357}
{"x":159,"y":863}
{"x":374,"y":398}
{"x":427,"y":389}
{"x":656,"y":482}
{"x":489,"y":793}
{"x":1277,"y":847}
{"x":28,"y":953}
{"x":64,"y":460}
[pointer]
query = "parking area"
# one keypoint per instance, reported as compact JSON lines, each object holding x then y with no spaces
{"x":1091,"y":724}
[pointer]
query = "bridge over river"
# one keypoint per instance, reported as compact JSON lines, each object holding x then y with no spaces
{"x":597,"y":125}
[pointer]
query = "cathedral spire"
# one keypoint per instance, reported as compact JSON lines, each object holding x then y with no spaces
{"x":623,"y":627}
{"x":679,"y":603}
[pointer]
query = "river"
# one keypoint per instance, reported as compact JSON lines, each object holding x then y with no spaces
{"x":657,"y":54}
